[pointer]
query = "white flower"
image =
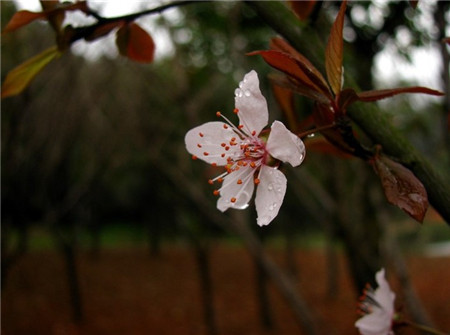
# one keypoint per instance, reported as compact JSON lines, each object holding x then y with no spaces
{"x":378,"y":307}
{"x":249,"y":157}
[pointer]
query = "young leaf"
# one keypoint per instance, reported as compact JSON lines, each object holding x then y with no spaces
{"x":22,"y":18}
{"x":311,"y":71}
{"x":401,"y":187}
{"x":334,"y":51}
{"x":375,"y":95}
{"x":285,"y":99}
{"x":293,"y":68}
{"x":103,"y":30}
{"x":302,"y":8}
{"x":135,"y":43}
{"x":20,"y":77}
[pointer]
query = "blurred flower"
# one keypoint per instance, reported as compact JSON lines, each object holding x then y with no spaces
{"x":250,"y":156}
{"x":378,"y":308}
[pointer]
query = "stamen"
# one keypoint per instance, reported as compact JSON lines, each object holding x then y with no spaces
{"x":194,"y":157}
{"x":205,"y":153}
{"x":233,"y":200}
{"x":216,"y":192}
{"x":257,"y":181}
{"x":235,"y":111}
{"x":210,"y":181}
{"x":239,"y":181}
{"x":201,"y":134}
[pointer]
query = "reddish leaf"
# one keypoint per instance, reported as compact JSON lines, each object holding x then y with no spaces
{"x":310,"y":70}
{"x":293,"y":85}
{"x":401,"y":187}
{"x":20,"y":77}
{"x":345,"y":98}
{"x":56,"y":11}
{"x":414,"y":3}
{"x":293,"y":68}
{"x":285,"y":99}
{"x":53,"y":11}
{"x":22,"y":18}
{"x":302,"y":8}
{"x":135,"y":43}
{"x":103,"y":30}
{"x":334,"y":51}
{"x":382,"y":94}
{"x":325,"y":115}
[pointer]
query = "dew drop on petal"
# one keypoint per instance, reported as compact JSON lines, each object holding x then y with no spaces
{"x":241,"y":84}
{"x":270,"y":187}
{"x":247,"y":93}
{"x":238,"y":92}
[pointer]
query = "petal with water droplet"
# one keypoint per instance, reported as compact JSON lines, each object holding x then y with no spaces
{"x":269,"y":194}
{"x":252,"y":105}
{"x":284,"y":145}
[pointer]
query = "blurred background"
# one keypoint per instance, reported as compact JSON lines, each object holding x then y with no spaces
{"x":109,"y":227}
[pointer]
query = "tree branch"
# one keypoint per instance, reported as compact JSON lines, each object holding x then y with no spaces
{"x":369,"y":118}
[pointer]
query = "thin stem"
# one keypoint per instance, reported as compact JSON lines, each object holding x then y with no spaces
{"x":424,"y":328}
{"x":83,"y":32}
{"x":316,"y":130}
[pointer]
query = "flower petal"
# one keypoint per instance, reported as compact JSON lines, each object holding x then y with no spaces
{"x":237,"y":189}
{"x":377,"y":323}
{"x":383,"y":294}
{"x":269,"y":194}
{"x":210,"y":141}
{"x":251,"y":104}
{"x":284,"y":145}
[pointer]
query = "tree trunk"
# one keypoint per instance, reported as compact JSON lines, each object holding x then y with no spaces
{"x":66,"y":245}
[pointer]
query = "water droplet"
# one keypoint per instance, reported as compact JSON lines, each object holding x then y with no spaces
{"x":241,"y":84}
{"x":270,"y":187}
{"x":271,"y":208}
{"x":247,"y":93}
{"x":238,"y":92}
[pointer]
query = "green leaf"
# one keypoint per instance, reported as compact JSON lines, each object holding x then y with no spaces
{"x":21,"y":76}
{"x":334,"y":51}
{"x":401,"y":187}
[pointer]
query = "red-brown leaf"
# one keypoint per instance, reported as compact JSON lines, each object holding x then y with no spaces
{"x":314,"y":75}
{"x":324,"y":115}
{"x":334,"y":51}
{"x":135,"y":43}
{"x":414,"y":3}
{"x":285,"y":99}
{"x":103,"y":30}
{"x":292,"y":84}
{"x":375,"y":95}
{"x":22,"y":18}
{"x":401,"y":187}
{"x":293,"y":68}
{"x":302,"y":8}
